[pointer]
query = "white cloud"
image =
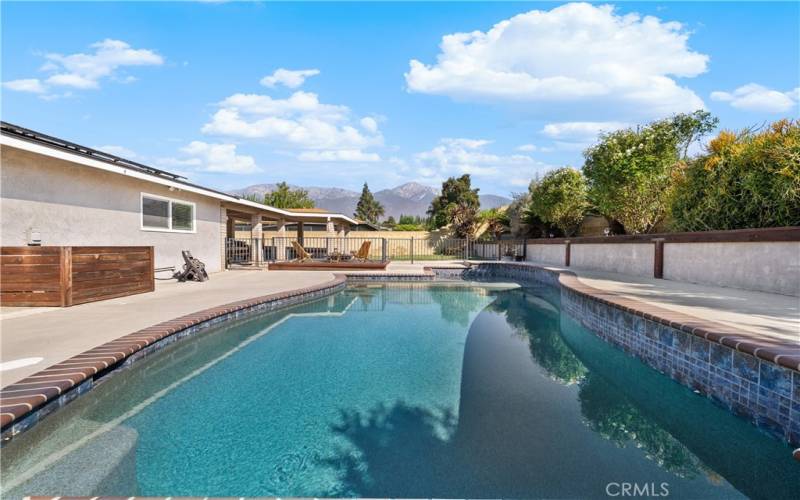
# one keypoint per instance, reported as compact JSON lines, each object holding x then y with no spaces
{"x":32,"y":85}
{"x":220,"y":158}
{"x":580,"y":132}
{"x":85,"y":71}
{"x":527,"y":148}
{"x":576,"y":54}
{"x":369,"y":124}
{"x":299,"y":122}
{"x":755,"y":97}
{"x":467,"y":156}
{"x":117,"y":151}
{"x":288,"y":78}
{"x":338,"y":155}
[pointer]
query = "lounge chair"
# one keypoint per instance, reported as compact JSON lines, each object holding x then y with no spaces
{"x":363,"y":252}
{"x":302,"y":255}
{"x":193,"y":269}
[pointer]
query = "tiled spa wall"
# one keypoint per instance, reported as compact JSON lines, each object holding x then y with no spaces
{"x":762,"y":392}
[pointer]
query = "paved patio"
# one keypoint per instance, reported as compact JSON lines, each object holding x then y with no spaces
{"x":768,"y":314}
{"x":35,"y":338}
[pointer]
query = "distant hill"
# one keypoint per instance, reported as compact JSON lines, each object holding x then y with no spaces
{"x":411,"y":198}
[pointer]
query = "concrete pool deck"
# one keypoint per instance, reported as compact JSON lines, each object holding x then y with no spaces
{"x":35,"y":338}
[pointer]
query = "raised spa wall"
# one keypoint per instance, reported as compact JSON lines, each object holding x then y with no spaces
{"x":759,"y":390}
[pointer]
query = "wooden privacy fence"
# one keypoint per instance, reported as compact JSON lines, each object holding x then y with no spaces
{"x":65,"y":276}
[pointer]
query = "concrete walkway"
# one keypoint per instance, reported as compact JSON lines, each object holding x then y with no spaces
{"x":47,"y":335}
{"x":35,"y":338}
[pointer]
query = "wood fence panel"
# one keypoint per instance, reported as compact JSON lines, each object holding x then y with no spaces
{"x":100,"y":273}
{"x":30,"y":276}
{"x":63,"y":276}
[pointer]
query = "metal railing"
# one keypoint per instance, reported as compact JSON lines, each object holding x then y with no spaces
{"x":255,"y":251}
{"x":498,"y":250}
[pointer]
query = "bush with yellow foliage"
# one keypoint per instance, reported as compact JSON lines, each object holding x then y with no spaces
{"x":748,"y":179}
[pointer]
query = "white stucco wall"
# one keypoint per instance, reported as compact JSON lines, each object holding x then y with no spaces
{"x":72,"y":204}
{"x":767,"y":267}
{"x":623,"y":258}
{"x":546,"y":254}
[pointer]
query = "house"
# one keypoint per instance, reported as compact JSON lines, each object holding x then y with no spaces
{"x":54,"y":192}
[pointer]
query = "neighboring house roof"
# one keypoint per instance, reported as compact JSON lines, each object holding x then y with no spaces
{"x":36,"y":142}
{"x":373,"y":227}
{"x":310,"y":210}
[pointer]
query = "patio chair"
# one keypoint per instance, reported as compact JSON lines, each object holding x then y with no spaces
{"x":363,"y":252}
{"x":302,"y":254}
{"x":193,"y":269}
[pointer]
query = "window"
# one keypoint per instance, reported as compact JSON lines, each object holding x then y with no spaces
{"x":182,"y":216}
{"x":164,"y":214}
{"x":155,"y":213}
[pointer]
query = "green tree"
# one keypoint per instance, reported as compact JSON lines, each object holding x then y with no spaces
{"x":745,"y":180}
{"x":390,"y":222}
{"x":284,"y":197}
{"x":455,"y":192}
{"x":409,"y":223}
{"x":496,"y":220}
{"x":560,"y":198}
{"x":368,"y":208}
{"x":630,"y":172}
{"x":408,"y":219}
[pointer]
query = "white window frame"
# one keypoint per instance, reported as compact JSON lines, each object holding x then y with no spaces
{"x":169,"y":201}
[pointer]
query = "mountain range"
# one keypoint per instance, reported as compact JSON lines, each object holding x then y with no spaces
{"x":411,"y":198}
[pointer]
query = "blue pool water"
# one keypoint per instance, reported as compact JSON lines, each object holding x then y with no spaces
{"x":403,"y":390}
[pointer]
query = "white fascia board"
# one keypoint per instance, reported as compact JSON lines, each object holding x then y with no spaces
{"x":117,"y":169}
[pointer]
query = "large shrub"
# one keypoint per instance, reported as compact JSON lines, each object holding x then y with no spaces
{"x":745,"y":180}
{"x":560,"y":198}
{"x":630,"y":171}
{"x":496,"y":221}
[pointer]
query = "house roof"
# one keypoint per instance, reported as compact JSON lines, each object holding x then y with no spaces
{"x":29,"y":140}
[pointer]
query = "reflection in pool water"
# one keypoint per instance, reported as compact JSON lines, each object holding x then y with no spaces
{"x":406,"y":390}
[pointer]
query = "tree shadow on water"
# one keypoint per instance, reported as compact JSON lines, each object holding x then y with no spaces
{"x":396,"y":450}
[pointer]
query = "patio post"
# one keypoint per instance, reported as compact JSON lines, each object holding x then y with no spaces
{"x":330,"y":236}
{"x":280,"y":245}
{"x":301,"y":233}
{"x":256,"y":232}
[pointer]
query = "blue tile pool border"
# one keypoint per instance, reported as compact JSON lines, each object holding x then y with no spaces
{"x":726,"y":365}
{"x":30,"y":400}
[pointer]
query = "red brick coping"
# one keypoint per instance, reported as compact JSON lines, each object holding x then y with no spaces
{"x":23,"y":397}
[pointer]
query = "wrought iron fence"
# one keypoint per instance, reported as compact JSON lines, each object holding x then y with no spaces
{"x":254,"y":251}
{"x":498,"y":250}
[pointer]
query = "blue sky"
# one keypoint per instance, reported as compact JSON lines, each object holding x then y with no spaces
{"x":335,"y":94}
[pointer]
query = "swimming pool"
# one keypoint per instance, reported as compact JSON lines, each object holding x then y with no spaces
{"x":397,"y":390}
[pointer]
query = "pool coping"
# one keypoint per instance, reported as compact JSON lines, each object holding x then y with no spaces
{"x":781,"y":353}
{"x":24,"y":402}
